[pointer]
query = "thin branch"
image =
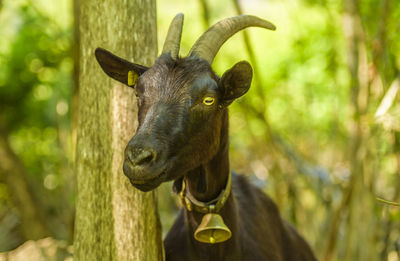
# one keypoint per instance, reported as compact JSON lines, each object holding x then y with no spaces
{"x":378,"y":49}
{"x":206,"y":13}
{"x":388,"y":202}
{"x":389,"y":222}
{"x":252,"y":58}
{"x":75,"y":89}
{"x":335,"y":225}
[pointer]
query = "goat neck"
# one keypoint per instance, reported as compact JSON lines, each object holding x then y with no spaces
{"x":205,"y":183}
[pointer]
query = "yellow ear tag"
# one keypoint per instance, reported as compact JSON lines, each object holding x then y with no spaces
{"x":208,"y":100}
{"x":132,"y":78}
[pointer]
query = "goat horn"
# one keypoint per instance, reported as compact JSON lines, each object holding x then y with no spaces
{"x":173,"y":40}
{"x":211,"y":41}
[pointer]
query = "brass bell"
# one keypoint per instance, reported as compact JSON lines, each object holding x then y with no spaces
{"x":212,"y":229}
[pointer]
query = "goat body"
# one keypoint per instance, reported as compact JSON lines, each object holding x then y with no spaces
{"x":259,"y":233}
{"x":183,"y":136}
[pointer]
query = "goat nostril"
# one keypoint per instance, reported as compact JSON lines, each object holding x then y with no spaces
{"x":143,"y":158}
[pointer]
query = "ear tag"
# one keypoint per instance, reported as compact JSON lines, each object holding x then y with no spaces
{"x":132,"y":78}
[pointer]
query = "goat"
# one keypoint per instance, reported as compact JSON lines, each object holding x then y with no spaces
{"x":183,"y":136}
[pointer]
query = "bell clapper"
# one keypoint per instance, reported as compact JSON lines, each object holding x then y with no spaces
{"x":212,"y":239}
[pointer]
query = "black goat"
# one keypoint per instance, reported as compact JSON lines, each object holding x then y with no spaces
{"x":183,"y":136}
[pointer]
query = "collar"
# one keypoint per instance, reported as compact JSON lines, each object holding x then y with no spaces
{"x":212,"y":206}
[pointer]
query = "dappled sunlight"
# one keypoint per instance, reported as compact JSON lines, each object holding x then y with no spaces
{"x":318,"y":130}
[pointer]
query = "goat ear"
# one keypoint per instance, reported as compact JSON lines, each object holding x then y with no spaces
{"x":118,"y":68}
{"x":236,"y":81}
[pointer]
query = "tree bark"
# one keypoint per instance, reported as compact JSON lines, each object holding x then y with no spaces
{"x":113,"y":220}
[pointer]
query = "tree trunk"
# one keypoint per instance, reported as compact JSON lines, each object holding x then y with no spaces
{"x":359,"y":242}
{"x":113,"y":220}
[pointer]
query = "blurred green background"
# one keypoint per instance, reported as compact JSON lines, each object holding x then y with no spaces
{"x":318,"y":130}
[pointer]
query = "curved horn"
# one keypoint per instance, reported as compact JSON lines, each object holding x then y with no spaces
{"x":173,"y":40}
{"x":211,"y":41}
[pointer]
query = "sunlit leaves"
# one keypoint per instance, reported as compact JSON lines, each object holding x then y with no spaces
{"x":35,"y":89}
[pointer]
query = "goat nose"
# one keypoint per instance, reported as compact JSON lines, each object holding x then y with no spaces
{"x":140,"y":157}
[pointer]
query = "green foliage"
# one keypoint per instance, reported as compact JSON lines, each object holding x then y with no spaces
{"x":37,"y":75}
{"x":35,"y":92}
{"x":294,"y":130}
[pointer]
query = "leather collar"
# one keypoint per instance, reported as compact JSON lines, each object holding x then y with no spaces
{"x":211,"y":206}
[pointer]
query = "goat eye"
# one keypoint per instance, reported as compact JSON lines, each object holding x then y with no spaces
{"x":208,"y":100}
